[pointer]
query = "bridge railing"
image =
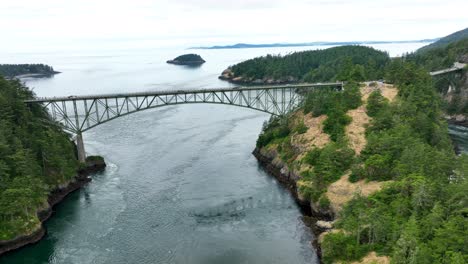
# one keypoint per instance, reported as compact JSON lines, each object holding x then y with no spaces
{"x":175,"y":92}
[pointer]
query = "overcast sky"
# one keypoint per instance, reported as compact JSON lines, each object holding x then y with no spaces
{"x":40,"y":23}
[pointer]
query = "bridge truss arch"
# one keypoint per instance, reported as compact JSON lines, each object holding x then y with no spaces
{"x":77,"y":114}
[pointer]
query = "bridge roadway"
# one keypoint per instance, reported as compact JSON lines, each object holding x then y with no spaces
{"x":179,"y":92}
{"x":77,"y":114}
{"x":457,"y":66}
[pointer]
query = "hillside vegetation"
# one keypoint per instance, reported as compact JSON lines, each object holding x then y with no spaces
{"x":35,"y":157}
{"x":438,"y":58}
{"x":445,"y":41}
{"x":311,"y":66}
{"x":418,"y":212}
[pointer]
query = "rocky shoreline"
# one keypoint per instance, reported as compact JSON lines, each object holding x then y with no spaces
{"x":186,"y":63}
{"x":228,"y":75}
{"x":459,"y":120}
{"x":55,"y":197}
{"x":314,"y":217}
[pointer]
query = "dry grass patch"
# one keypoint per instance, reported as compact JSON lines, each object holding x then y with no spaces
{"x":357,"y":128}
{"x":388,"y":91}
{"x":372,"y":258}
{"x":314,"y":137}
{"x":342,"y":191}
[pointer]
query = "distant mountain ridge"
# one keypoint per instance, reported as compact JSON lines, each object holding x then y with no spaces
{"x":445,"y":41}
{"x":306,"y":44}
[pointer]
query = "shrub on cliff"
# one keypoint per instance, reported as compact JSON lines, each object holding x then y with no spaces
{"x":328,"y":165}
{"x":339,"y":246}
{"x":335,"y":124}
{"x":276,"y":128}
{"x":375,"y":103}
{"x":301,"y":128}
{"x":351,"y":95}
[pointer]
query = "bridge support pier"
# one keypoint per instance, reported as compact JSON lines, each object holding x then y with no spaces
{"x":80,"y":147}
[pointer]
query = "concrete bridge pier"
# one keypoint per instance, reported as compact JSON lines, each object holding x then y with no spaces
{"x":80,"y":147}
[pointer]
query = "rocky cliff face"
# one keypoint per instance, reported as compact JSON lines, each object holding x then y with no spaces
{"x":230,"y":76}
{"x":457,"y":99}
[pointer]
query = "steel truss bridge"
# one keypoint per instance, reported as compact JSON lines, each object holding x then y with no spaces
{"x":457,"y":66}
{"x":77,"y":114}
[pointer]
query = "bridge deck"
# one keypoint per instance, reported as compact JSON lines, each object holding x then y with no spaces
{"x":456,"y":67}
{"x":178,"y":92}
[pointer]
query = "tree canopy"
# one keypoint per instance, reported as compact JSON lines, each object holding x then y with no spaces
{"x":35,"y":157}
{"x":316,"y":65}
{"x":12,"y":70}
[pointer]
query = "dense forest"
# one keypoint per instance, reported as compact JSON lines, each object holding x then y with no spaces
{"x":35,"y":157}
{"x":12,"y":70}
{"x":314,"y":66}
{"x":421,"y":215}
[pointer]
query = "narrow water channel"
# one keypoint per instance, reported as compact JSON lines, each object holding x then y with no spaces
{"x":181,"y":187}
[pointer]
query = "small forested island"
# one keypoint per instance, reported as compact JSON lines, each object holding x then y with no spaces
{"x":309,"y":66}
{"x":26,"y":70}
{"x":38,"y":166}
{"x":187,"y":59}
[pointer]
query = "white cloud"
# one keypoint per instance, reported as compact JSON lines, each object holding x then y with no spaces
{"x":32,"y":23}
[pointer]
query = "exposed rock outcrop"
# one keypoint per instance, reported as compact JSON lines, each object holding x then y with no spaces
{"x":230,"y":76}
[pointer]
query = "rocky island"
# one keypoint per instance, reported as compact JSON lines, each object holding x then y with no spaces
{"x":49,"y":170}
{"x":187,"y":59}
